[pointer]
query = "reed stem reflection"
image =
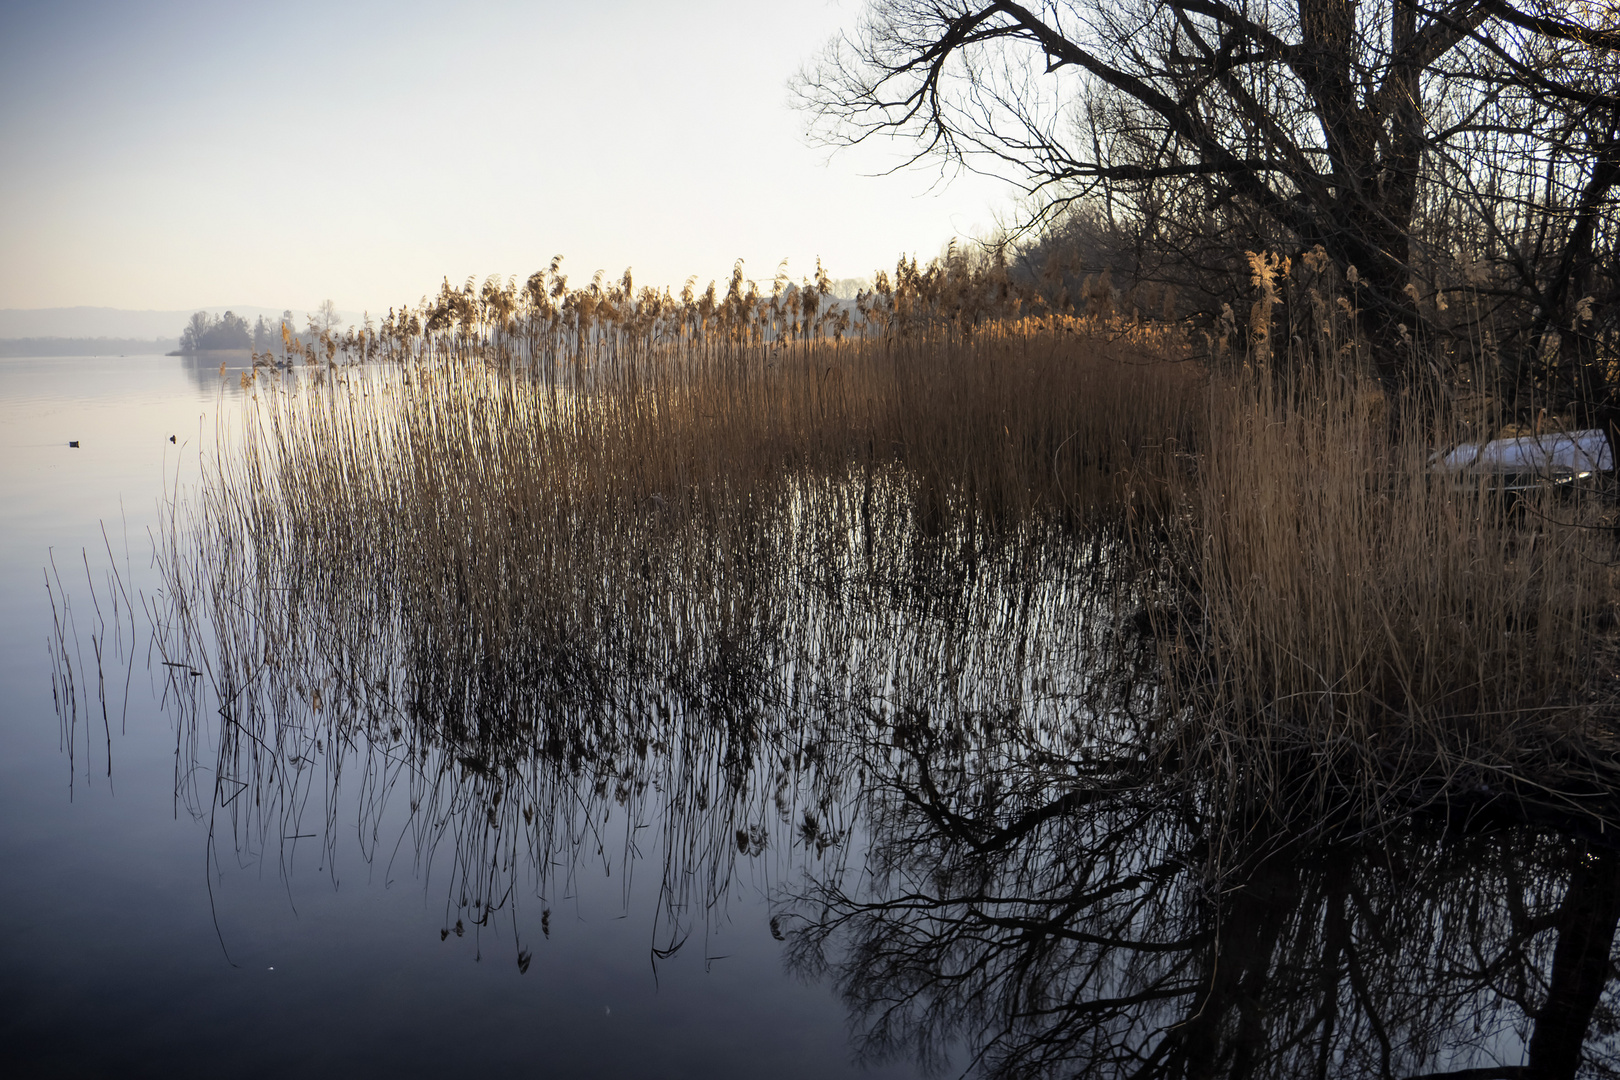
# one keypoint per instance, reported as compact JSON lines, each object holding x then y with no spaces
{"x":1083,"y":709}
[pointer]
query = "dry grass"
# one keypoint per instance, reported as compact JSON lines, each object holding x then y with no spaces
{"x":672,"y":573}
{"x":1040,"y":418}
{"x":1365,"y":640}
{"x":548,"y":502}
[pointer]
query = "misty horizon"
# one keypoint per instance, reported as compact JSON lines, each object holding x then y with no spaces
{"x":89,"y":322}
{"x":162,"y":174}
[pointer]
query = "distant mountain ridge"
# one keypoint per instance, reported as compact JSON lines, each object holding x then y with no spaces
{"x":106,"y":322}
{"x":79,"y":346}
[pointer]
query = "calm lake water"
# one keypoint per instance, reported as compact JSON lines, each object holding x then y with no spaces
{"x":849,"y":838}
{"x":136,"y":944}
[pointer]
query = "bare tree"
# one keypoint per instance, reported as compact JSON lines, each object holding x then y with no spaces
{"x":1372,"y":129}
{"x":325,"y":318}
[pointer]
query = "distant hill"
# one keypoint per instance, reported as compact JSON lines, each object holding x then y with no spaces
{"x":105,"y":322}
{"x":82,"y":346}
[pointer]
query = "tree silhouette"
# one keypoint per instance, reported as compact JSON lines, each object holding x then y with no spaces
{"x":1396,"y":134}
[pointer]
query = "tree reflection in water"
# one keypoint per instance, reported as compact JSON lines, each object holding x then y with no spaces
{"x":1032,"y":928}
{"x":938,"y":740}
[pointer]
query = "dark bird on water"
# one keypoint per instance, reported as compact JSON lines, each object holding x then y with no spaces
{"x":171,"y":438}
{"x":74,"y":444}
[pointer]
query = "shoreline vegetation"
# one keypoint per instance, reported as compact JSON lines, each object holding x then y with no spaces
{"x":206,"y":334}
{"x":533,"y":496}
{"x":1074,"y":689}
{"x":85,"y":346}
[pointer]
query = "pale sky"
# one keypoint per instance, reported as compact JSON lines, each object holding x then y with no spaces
{"x":178,"y":155}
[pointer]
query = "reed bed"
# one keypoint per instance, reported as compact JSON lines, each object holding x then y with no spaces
{"x":1033,"y":420}
{"x":1361,"y":638}
{"x":676,"y":587}
{"x":525,"y":526}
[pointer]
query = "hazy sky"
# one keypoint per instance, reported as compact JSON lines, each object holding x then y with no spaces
{"x":171,"y":155}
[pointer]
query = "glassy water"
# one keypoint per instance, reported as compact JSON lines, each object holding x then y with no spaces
{"x":808,"y":804}
{"x":143,"y":938}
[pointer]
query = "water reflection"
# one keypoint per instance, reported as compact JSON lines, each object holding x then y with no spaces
{"x":1030,"y":928}
{"x":925,"y":743}
{"x":213,"y":372}
{"x":632,"y":720}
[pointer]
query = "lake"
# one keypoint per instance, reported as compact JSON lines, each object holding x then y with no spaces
{"x":810,"y":804}
{"x":139,"y":944}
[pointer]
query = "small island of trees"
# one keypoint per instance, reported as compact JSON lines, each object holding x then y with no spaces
{"x":205,"y":333}
{"x":231,"y":332}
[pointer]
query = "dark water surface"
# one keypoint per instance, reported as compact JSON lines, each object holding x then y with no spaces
{"x":851,"y":832}
{"x":122,"y":954}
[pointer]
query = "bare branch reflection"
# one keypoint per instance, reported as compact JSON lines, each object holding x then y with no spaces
{"x":935,"y":733}
{"x":1026,"y":926}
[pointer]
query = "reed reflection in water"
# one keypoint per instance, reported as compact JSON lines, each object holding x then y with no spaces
{"x":932,"y":729}
{"x":647,"y":684}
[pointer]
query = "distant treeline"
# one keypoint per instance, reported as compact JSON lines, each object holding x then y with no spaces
{"x":205,"y":332}
{"x":230,"y":331}
{"x":74,"y":346}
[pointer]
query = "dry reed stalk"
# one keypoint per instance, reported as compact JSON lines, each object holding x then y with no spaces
{"x":666,"y":575}
{"x":1370,"y":642}
{"x":557,"y":493}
